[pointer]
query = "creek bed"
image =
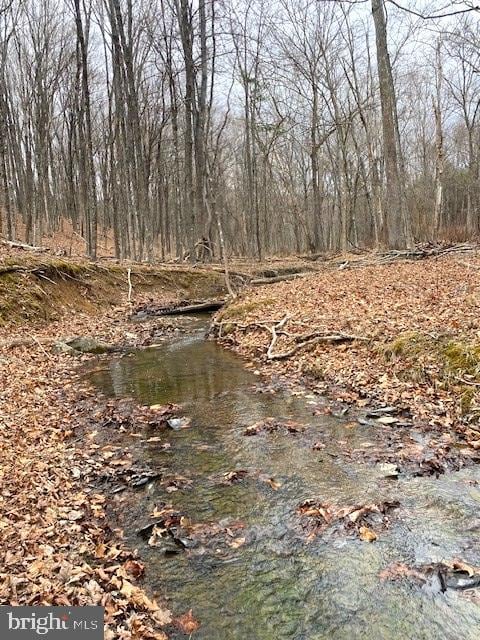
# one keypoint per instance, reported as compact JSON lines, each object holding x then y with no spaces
{"x":275,"y":584}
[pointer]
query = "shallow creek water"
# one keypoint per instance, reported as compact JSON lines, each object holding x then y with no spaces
{"x":276,"y":585}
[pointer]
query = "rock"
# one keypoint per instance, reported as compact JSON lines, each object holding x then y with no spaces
{"x":87,"y":345}
{"x":389,"y":470}
{"x":381,"y":411}
{"x":62,"y":347}
{"x":179,"y":423}
{"x":387,"y":420}
{"x":138,"y":481}
{"x":461,"y":580}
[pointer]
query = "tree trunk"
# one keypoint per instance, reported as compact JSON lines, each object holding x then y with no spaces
{"x":398,"y":229}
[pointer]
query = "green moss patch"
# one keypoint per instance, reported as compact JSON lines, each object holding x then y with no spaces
{"x":451,"y":364}
{"x":241,"y":310}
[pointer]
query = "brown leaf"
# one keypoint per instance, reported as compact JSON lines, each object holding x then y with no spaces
{"x":137,"y":596}
{"x":367,"y":535}
{"x":162,"y":617}
{"x":272,"y":482}
{"x":135,"y":568}
{"x":187,"y":623}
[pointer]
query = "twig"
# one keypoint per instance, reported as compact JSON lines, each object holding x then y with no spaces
{"x":35,"y":339}
{"x":41,"y":275}
{"x":471,"y":382}
{"x":129,"y":276}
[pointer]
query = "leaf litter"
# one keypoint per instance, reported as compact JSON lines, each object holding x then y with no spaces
{"x":57,"y":547}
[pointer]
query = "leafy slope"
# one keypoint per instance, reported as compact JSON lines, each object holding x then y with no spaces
{"x":421,"y":322}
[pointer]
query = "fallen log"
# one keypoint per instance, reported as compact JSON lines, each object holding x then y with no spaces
{"x":288,"y":276}
{"x":211,"y":305}
{"x":24,"y":246}
{"x":27,"y":341}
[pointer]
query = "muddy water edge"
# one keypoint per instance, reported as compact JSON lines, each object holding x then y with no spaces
{"x":247,"y":565}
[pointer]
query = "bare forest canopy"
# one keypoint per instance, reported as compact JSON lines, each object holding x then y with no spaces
{"x":192,"y":128}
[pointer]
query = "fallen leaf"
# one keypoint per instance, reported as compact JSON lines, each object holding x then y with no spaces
{"x":273,"y":483}
{"x":238,"y":542}
{"x":162,"y":617}
{"x":366,"y":534}
{"x":137,"y":596}
{"x":135,"y":568}
{"x":187,"y":623}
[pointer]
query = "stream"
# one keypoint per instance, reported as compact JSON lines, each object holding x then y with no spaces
{"x":273,"y":584}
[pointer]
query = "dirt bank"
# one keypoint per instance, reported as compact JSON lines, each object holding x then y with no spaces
{"x":37,"y":287}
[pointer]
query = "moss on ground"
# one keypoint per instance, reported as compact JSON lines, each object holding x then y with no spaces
{"x":241,"y":310}
{"x":452,"y":364}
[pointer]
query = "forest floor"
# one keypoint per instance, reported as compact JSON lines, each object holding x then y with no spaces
{"x":397,"y":343}
{"x":416,"y":363}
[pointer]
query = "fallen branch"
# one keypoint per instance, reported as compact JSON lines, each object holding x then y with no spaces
{"x":216,"y":327}
{"x":274,"y":331}
{"x":42,"y":348}
{"x":420,"y":253}
{"x":304,"y":340}
{"x":13,"y":268}
{"x":469,"y":265}
{"x":317,"y":339}
{"x":129,"y":279}
{"x":470,"y":382}
{"x":27,"y":341}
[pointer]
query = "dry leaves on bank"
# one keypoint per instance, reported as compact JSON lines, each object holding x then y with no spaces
{"x":421,"y":356}
{"x":56,"y":545}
